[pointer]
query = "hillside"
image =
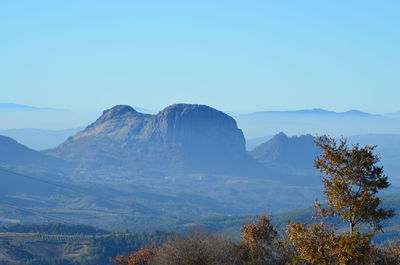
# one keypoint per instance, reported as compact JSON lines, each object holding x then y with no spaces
{"x":17,"y":156}
{"x":86,"y":245}
{"x":39,"y":139}
{"x":82,"y":248}
{"x":293,"y":157}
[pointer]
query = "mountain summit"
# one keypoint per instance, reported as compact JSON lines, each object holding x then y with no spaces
{"x":180,"y":138}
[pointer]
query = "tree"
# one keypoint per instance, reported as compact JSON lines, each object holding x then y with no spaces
{"x":319,"y":244}
{"x":140,"y":257}
{"x":351,"y":181}
{"x":261,"y":244}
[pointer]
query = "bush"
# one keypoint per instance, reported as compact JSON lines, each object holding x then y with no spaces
{"x":198,"y":247}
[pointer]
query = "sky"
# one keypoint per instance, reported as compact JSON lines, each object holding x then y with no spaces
{"x":240,"y":56}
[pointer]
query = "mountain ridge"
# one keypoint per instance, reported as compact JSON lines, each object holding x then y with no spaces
{"x":316,"y":111}
{"x":15,"y":106}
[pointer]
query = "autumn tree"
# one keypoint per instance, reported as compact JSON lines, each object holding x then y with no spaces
{"x":351,"y":181}
{"x":261,"y":245}
{"x":319,"y":244}
{"x":140,"y":257}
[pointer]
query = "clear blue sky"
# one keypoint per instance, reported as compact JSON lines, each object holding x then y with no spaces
{"x":233,"y":55}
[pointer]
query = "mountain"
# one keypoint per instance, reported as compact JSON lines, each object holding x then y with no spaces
{"x":316,"y":121}
{"x":19,"y":107}
{"x":144,"y":110}
{"x":180,"y":138}
{"x":17,"y":116}
{"x":295,"y":155}
{"x":40,"y":139}
{"x":16,"y":155}
{"x":314,"y":112}
{"x":393,"y":114}
{"x":292,"y":156}
{"x":254,"y":142}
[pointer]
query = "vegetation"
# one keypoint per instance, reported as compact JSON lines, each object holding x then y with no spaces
{"x":70,"y":249}
{"x":351,"y":181}
{"x":261,"y":244}
{"x":103,"y":248}
{"x":54,"y":229}
{"x":140,"y":257}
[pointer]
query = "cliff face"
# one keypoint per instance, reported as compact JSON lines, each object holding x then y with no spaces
{"x":180,"y":138}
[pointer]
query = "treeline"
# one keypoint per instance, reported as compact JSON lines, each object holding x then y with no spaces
{"x":101,"y":249}
{"x":261,"y":244}
{"x":54,"y":229}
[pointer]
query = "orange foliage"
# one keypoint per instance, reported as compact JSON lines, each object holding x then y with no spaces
{"x":258,"y":236}
{"x":351,"y":181}
{"x":318,"y":244}
{"x":139,"y":257}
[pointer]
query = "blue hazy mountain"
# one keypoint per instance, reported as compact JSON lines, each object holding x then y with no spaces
{"x":18,"y":116}
{"x":254,"y":142}
{"x":40,"y":139}
{"x":296,"y":154}
{"x":20,"y":107}
{"x":393,"y":114}
{"x":17,"y":156}
{"x":316,"y":121}
{"x":315,"y":112}
{"x":293,"y":157}
{"x":15,"y":106}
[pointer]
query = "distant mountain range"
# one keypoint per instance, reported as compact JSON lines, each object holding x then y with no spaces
{"x":393,"y":114}
{"x":315,"y":112}
{"x":316,"y":121}
{"x":40,"y":139}
{"x":20,"y":107}
{"x":254,"y":125}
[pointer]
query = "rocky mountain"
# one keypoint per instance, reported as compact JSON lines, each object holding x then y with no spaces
{"x":293,"y":157}
{"x":180,"y":138}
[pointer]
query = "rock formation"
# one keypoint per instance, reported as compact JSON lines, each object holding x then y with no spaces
{"x":181,"y":138}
